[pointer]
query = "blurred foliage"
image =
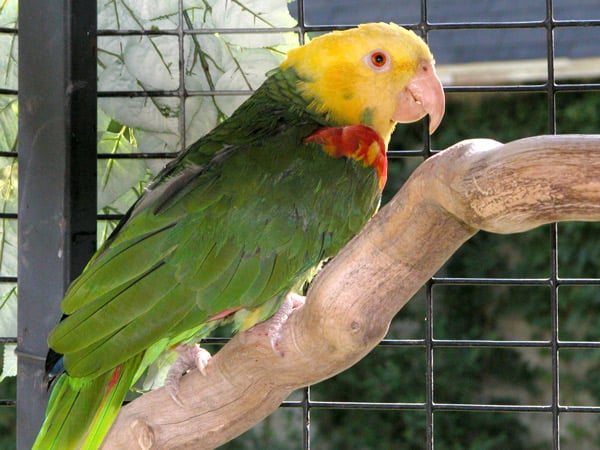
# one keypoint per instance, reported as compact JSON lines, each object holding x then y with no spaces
{"x":8,"y":422}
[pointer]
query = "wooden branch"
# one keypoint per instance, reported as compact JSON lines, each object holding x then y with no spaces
{"x":474,"y":185}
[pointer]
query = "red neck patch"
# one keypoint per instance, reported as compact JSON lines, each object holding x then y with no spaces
{"x":359,"y":142}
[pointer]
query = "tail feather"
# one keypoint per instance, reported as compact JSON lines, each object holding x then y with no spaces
{"x":80,"y":412}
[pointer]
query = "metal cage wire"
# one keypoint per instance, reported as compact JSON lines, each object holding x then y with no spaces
{"x":306,"y":404}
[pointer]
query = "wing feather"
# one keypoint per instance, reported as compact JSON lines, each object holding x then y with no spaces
{"x":114,"y":268}
{"x":241,"y":232}
{"x":105,"y":315}
{"x":134,"y":336}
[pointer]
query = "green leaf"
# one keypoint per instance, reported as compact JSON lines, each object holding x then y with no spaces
{"x":8,"y":122}
{"x":137,"y":14}
{"x":201,"y":115}
{"x":8,"y":310}
{"x":8,"y":61}
{"x":249,"y":71}
{"x":9,"y":362}
{"x":253,"y":14}
{"x":221,"y":62}
{"x":8,"y":227}
{"x":159,"y":115}
{"x":153,"y":61}
{"x":119,"y":179}
{"x":8,"y":249}
{"x":138,"y":63}
{"x":9,"y":13}
{"x":206,"y":58}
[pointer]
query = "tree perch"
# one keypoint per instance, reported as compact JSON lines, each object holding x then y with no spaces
{"x":474,"y":185}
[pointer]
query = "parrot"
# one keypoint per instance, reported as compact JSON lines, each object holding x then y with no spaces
{"x":238,"y":223}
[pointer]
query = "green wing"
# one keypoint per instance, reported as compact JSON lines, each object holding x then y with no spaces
{"x":236,"y":222}
{"x":247,"y":227}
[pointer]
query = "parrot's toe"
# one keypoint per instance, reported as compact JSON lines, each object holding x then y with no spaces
{"x":188,"y":357}
{"x":201,"y":358}
{"x":296,"y":299}
{"x":292,"y":302}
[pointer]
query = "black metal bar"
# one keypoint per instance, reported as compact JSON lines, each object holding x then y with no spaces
{"x":567,"y":87}
{"x":440,"y":407}
{"x":306,"y":407}
{"x":160,"y":155}
{"x":8,"y":279}
{"x":82,"y":87}
{"x":57,"y":185}
{"x":325,"y":28}
{"x":110,"y":216}
{"x":551,"y":96}
{"x":524,"y":88}
{"x":462,"y":281}
{"x":423,"y":27}
{"x":172,"y":93}
{"x":511,"y":25}
{"x":301,"y":22}
{"x":367,"y":405}
{"x":181,"y":90}
{"x":581,"y":87}
{"x":175,"y":32}
{"x":306,"y":400}
{"x":429,"y":373}
{"x":552,"y":344}
{"x":554,"y":339}
{"x":435,"y":343}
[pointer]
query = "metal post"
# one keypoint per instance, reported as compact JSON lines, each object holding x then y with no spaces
{"x":57,"y":179}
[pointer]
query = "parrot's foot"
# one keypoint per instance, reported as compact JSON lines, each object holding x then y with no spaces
{"x":292,"y":302}
{"x":188,"y":357}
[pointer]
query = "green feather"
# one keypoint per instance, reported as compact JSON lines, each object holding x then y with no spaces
{"x":137,"y":334}
{"x":81,"y":411}
{"x":109,"y":313}
{"x":115,"y":270}
{"x":240,"y":219}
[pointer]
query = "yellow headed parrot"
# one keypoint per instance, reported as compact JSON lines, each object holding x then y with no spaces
{"x":238,"y":222}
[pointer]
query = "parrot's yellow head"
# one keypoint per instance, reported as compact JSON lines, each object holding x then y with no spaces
{"x":376,"y":75}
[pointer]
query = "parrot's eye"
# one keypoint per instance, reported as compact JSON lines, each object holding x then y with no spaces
{"x":378,"y":60}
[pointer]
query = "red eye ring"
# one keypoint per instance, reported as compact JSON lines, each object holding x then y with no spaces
{"x":378,"y":59}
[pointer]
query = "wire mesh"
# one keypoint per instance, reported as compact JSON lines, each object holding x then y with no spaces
{"x":433,"y":407}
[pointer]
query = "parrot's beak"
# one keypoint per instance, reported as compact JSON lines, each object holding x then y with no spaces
{"x":423,"y":95}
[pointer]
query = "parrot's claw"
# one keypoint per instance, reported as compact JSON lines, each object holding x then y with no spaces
{"x":292,"y":302}
{"x":188,"y":357}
